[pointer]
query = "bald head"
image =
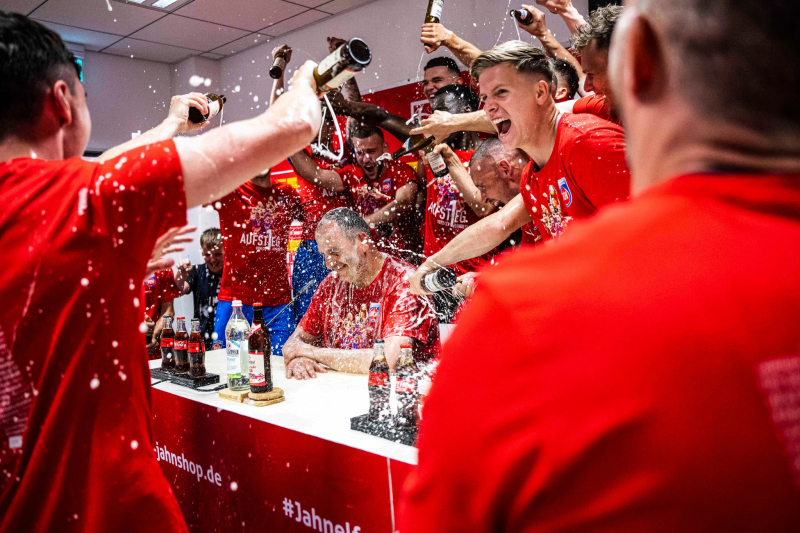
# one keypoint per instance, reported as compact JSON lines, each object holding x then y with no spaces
{"x":497,"y":172}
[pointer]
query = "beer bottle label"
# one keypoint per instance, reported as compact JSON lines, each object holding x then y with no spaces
{"x":256,"y":327}
{"x":194,"y":347}
{"x":181,"y":344}
{"x":340,"y":78}
{"x":326,"y":64}
{"x":257,"y":376}
{"x":436,"y":9}
{"x":436,"y":161}
{"x":167,"y":342}
{"x":232,"y":352}
{"x":404,"y":386}
{"x":378,"y":379}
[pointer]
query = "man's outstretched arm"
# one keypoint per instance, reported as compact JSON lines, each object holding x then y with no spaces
{"x":436,"y":35}
{"x":251,"y":145}
{"x":307,"y":168}
{"x":441,"y":124}
{"x":476,"y":240}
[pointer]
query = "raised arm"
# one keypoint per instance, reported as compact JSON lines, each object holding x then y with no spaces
{"x":566,"y":10}
{"x":372,"y":115}
{"x":436,"y":35}
{"x":277,"y":85}
{"x":441,"y":124}
{"x":553,"y":48}
{"x":216,"y":163}
{"x":403,"y":202}
{"x":464,"y":184}
{"x":307,"y":168}
{"x":476,"y":240}
{"x":177,"y":122}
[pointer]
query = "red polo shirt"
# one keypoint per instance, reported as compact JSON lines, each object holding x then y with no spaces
{"x":649,"y":375}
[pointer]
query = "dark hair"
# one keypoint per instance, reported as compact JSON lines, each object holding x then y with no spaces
{"x":464,"y":93}
{"x":32,"y":58}
{"x":443,"y":61}
{"x":351,"y":223}
{"x":735,"y":60}
{"x":525,"y":58}
{"x":567,"y":72}
{"x":598,"y":28}
{"x":210,"y":238}
{"x":362,"y":131}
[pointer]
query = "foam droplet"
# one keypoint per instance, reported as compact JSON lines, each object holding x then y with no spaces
{"x":94,"y":383}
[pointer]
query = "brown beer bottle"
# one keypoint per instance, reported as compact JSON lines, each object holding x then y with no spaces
{"x":379,"y":386}
{"x":197,"y":351}
{"x":181,"y":346}
{"x":434,"y":13}
{"x":260,"y":349}
{"x":215,"y":102}
{"x":278,"y":65}
{"x":168,"y":345}
{"x":524,"y":16}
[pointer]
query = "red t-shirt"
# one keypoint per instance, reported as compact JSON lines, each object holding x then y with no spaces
{"x":316,"y":201}
{"x":367,"y":197}
{"x":654,"y":379}
{"x":447,"y":215}
{"x":348,"y":318}
{"x":597,"y":105}
{"x":586,"y":171}
{"x":76,"y":237}
{"x":159,"y":289}
{"x":255,"y":230}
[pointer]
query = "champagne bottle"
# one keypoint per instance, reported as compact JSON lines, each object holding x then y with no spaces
{"x":439,"y":280}
{"x":524,"y":16}
{"x":278,"y":64}
{"x":215,"y":102}
{"x":415,"y":143}
{"x":434,"y":13}
{"x":353,"y":56}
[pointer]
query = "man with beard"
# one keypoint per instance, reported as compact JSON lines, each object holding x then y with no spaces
{"x":365,"y":297}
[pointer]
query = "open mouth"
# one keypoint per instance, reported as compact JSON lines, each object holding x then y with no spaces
{"x":502,"y":125}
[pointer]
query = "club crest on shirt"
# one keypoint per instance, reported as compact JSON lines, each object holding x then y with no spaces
{"x":386,"y":186}
{"x":150,"y":282}
{"x":553,"y":217}
{"x":566,"y":194}
{"x":374,"y":311}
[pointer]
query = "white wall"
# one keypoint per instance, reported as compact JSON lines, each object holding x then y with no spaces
{"x":391,"y":29}
{"x":124,"y":95}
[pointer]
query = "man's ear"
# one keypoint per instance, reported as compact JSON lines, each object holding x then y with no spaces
{"x":504,"y":168}
{"x":543,"y":91}
{"x":61,"y":99}
{"x":648,"y":77}
{"x":561,"y":94}
{"x":364,"y":239}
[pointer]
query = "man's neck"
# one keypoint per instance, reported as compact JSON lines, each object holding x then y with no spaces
{"x":543,"y":138}
{"x":14,"y":148}
{"x":689,"y":144}
{"x":373,"y":267}
{"x":463,"y":140}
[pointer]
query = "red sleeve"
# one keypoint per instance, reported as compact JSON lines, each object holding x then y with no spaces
{"x":403,"y":174}
{"x":593,"y":105}
{"x":165,"y":286}
{"x":312,"y":322}
{"x":597,"y":164}
{"x":138,"y":196}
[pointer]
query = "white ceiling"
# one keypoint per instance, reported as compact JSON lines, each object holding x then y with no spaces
{"x":210,"y":28}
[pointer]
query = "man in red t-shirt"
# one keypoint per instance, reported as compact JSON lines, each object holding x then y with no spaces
{"x":592,"y":41}
{"x":656,"y":350}
{"x":159,"y":295}
{"x":382,"y":192}
{"x":577,"y":161}
{"x":76,"y":452}
{"x":255,"y":221}
{"x":366,"y":297}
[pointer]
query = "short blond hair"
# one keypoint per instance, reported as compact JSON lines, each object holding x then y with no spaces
{"x":525,"y":58}
{"x":210,"y":238}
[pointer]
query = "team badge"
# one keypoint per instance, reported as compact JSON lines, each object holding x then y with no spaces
{"x":374,"y":311}
{"x":566,"y":194}
{"x":150,"y":282}
{"x":386,"y":186}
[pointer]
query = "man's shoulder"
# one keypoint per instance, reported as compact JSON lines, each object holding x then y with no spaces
{"x":399,"y":168}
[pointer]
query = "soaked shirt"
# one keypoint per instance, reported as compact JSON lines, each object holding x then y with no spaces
{"x":316,"y":201}
{"x":596,"y":105}
{"x":586,"y":171}
{"x":255,"y":225}
{"x":349,"y":318}
{"x":75,"y":439}
{"x":369,"y":196}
